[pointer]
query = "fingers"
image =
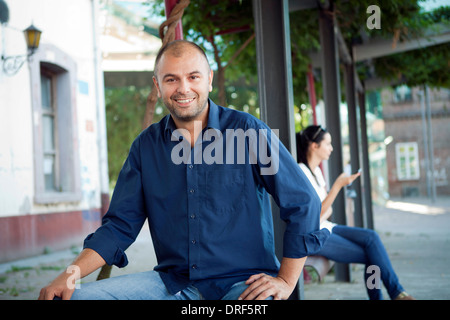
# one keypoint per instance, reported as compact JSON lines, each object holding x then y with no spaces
{"x":251,"y":282}
{"x":254,"y":277}
{"x":354,"y":176}
{"x":347,"y":179}
{"x":49,"y":293}
{"x":67,"y":294}
{"x":46,"y":294}
{"x":262,"y":286}
{"x":58,"y":288}
{"x":42,"y":294}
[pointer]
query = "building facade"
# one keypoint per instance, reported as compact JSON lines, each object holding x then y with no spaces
{"x":53,"y":158}
{"x":417,"y":126}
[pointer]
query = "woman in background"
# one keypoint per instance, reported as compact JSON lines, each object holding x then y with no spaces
{"x":346,"y":244}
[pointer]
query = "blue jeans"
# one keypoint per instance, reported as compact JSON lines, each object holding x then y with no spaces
{"x":359,"y":245}
{"x":143,"y":286}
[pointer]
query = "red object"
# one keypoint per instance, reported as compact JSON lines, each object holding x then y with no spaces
{"x":312,"y":99}
{"x":312,"y":93}
{"x":169,"y":5}
{"x":234,"y":30}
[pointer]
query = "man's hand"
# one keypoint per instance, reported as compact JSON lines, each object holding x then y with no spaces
{"x":64,"y":285}
{"x":58,"y":288}
{"x":261,"y":286}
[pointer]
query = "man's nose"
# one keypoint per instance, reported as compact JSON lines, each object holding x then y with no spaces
{"x":183,"y":86}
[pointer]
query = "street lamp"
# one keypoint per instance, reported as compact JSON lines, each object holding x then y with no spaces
{"x":33,"y":36}
{"x":12,"y":64}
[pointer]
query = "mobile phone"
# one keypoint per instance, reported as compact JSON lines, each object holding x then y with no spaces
{"x":359,"y":170}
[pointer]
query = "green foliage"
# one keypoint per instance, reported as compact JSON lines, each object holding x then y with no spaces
{"x":208,"y":23}
{"x":429,"y":65}
{"x":400,"y":21}
{"x":425,"y":66}
{"x":304,"y":39}
{"x":217,"y":23}
{"x":241,"y":96}
{"x":224,"y":24}
{"x":125,"y":108}
{"x":396,"y":17}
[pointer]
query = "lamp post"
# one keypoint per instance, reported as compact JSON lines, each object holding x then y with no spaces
{"x":12,"y":64}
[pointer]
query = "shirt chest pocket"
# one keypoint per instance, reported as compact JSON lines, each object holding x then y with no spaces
{"x":225,"y":190}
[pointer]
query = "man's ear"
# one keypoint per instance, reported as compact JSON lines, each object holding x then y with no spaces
{"x":155,"y":82}
{"x":211,"y":76}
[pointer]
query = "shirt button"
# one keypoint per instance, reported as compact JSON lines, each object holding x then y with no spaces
{"x":192,"y":191}
{"x":191,"y":166}
{"x":192,"y":216}
{"x":193,"y":241}
{"x":194,"y":266}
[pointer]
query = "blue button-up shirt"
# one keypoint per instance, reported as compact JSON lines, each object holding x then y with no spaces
{"x":208,"y":207}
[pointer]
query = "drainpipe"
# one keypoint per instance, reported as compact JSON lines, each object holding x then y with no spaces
{"x":430,"y":150}
{"x":101,"y":115}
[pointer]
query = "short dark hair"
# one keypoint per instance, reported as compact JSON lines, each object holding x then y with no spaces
{"x":176,"y":48}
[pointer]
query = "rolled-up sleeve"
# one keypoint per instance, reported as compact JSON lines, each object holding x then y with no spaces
{"x":298,"y":202}
{"x":302,"y":245}
{"x":300,"y":209}
{"x":101,"y":243}
{"x":125,"y":216}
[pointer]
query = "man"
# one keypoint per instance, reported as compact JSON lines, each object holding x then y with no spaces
{"x":207,"y":206}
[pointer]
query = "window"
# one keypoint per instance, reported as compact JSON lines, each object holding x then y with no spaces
{"x":50,"y":164}
{"x":56,"y":154}
{"x":407,"y":158}
{"x":402,"y":94}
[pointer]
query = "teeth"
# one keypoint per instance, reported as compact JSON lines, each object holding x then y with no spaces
{"x":185,"y":101}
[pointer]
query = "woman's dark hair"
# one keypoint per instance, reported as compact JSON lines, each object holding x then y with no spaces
{"x":305,"y":138}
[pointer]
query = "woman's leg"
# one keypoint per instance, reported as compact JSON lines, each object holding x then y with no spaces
{"x":375,"y":254}
{"x":341,"y":249}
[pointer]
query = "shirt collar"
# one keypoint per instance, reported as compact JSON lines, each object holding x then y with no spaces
{"x":213,"y":118}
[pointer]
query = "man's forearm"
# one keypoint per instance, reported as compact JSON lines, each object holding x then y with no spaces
{"x":290,"y":270}
{"x":88,"y":261}
{"x":63,"y":286}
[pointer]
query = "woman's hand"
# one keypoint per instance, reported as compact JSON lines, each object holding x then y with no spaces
{"x":344,"y":179}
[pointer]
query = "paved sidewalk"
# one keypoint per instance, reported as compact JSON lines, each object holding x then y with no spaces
{"x":416,"y":235}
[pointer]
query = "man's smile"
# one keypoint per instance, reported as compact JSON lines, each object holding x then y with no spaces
{"x":184,"y":101}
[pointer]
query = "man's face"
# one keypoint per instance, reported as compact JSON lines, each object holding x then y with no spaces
{"x":184,"y":84}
